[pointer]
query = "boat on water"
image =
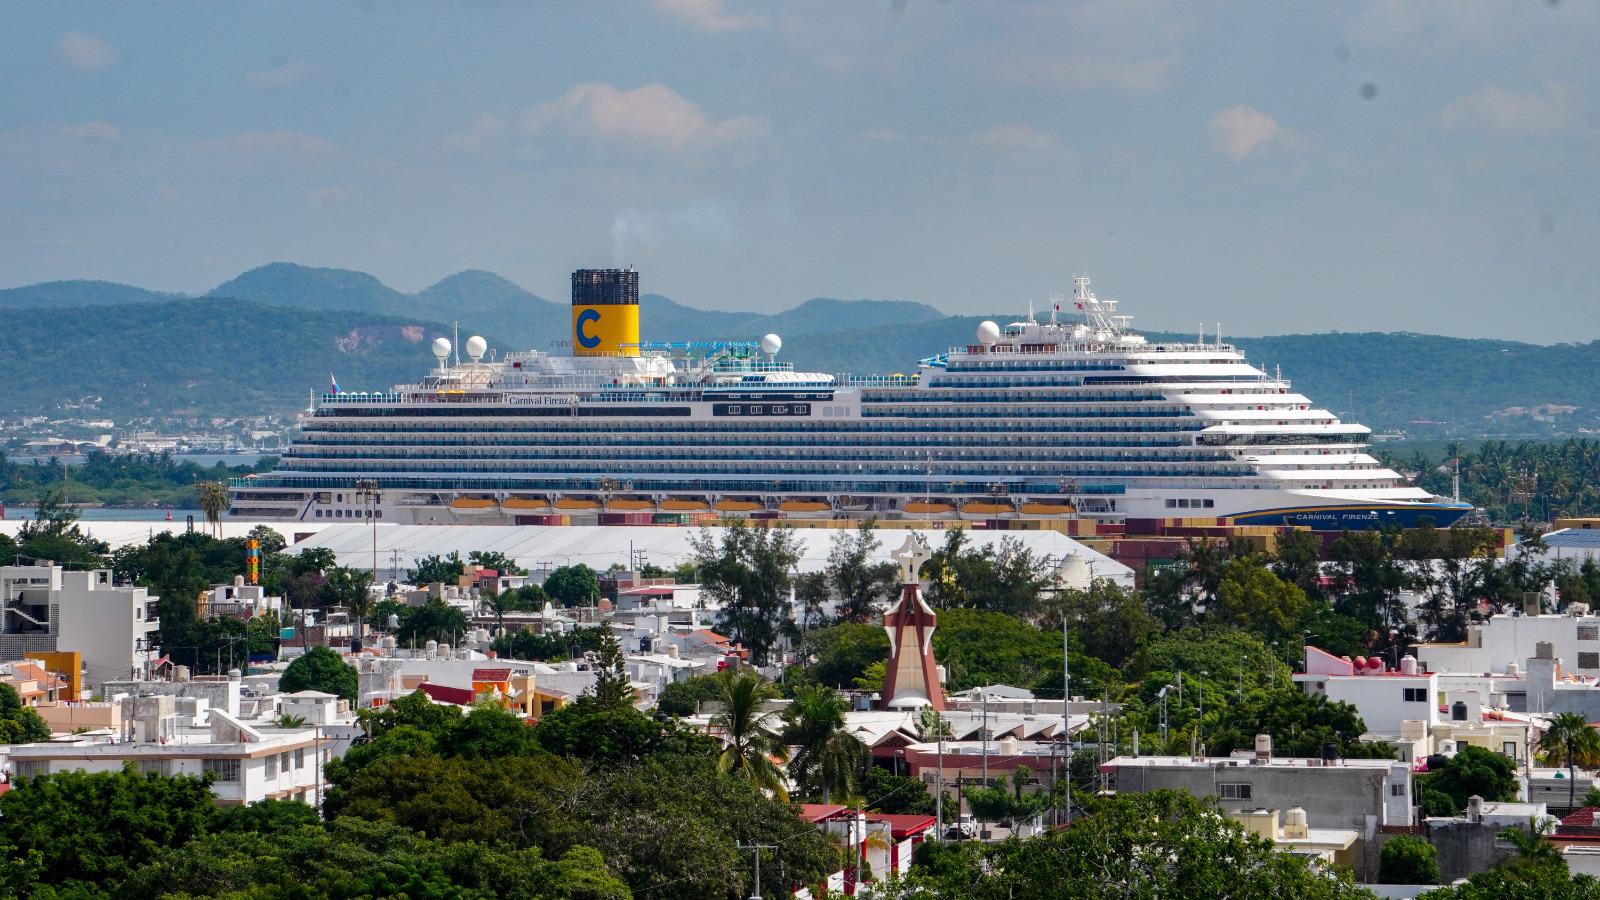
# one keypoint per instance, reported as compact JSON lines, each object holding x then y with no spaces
{"x":1072,"y":416}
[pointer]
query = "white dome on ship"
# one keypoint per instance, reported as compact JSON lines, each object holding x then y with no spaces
{"x":988,"y":332}
{"x":441,"y":347}
{"x":476,"y":347}
{"x":771,"y":344}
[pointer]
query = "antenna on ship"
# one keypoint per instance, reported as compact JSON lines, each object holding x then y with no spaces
{"x":456,"y":340}
{"x":1055,"y":305}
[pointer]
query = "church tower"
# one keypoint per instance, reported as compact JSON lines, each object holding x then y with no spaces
{"x":912,"y":680}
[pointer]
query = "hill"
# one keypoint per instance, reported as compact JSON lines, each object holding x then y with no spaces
{"x":64,"y":294}
{"x":206,"y":356}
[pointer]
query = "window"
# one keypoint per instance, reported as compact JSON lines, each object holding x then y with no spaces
{"x":1209,"y":504}
{"x":152,"y":767}
{"x":1509,"y":749}
{"x":30,"y":768}
{"x":1589,"y":632}
{"x":272,"y":767}
{"x":1397,"y":790}
{"x":225,"y":770}
{"x":1589,"y":660}
{"x":1233,"y":792}
{"x":1171,"y":503}
{"x":300,"y":758}
{"x":1416,"y":695}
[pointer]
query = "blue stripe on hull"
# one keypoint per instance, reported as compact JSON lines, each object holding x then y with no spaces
{"x":1357,"y":518}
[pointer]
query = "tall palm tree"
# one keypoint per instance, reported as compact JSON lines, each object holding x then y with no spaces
{"x":829,"y":757}
{"x":1570,"y":741}
{"x":751,"y":749}
{"x":213,"y":502}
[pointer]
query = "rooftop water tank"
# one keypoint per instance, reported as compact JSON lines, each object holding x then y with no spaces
{"x":1408,"y":665}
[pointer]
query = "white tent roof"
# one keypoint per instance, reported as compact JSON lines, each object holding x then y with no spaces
{"x":599,"y":546}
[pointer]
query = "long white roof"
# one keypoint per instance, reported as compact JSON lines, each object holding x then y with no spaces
{"x":599,"y":546}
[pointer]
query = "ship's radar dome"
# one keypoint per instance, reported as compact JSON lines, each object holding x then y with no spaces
{"x":771,"y":344}
{"x":441,"y":347}
{"x":988,"y":332}
{"x":476,"y":347}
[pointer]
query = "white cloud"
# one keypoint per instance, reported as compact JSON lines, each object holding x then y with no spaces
{"x":653,"y":114}
{"x":94,"y":132}
{"x":707,"y":15}
{"x":701,"y":224}
{"x":1509,"y":114}
{"x":256,"y":148}
{"x":85,"y":52}
{"x":1013,"y":136}
{"x":284,"y":75}
{"x":1239,"y":131}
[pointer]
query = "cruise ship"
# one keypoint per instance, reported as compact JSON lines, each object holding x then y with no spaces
{"x":1062,"y":416}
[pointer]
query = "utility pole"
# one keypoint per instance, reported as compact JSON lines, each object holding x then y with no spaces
{"x":1066,"y":718}
{"x":938,"y":797}
{"x":756,"y":849}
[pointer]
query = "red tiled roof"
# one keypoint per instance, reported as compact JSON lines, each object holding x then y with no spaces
{"x":903,"y":827}
{"x":446,"y":694}
{"x":491,"y":674}
{"x":820,"y":812}
{"x":1583,"y":816}
{"x":709,"y":635}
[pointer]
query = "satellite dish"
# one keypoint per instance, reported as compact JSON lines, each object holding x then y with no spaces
{"x":441,"y":350}
{"x":476,"y":347}
{"x":771,"y":344}
{"x":988,"y":333}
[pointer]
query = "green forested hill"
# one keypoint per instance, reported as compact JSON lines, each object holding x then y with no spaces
{"x":78,"y":293}
{"x":208,"y":355}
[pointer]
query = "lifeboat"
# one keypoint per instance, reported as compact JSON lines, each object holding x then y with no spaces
{"x":676,"y":505}
{"x":525,"y":503}
{"x":1039,"y":508}
{"x":474,"y":505}
{"x":926,"y":507}
{"x":628,"y":504}
{"x":576,"y":503}
{"x":982,"y":508}
{"x":805,"y":506}
{"x":737,"y":506}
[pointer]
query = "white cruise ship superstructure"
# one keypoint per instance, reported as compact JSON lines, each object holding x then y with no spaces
{"x":1037,"y":419}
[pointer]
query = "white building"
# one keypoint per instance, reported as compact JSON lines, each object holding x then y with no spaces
{"x":1507,"y":640}
{"x":239,"y":600}
{"x":250,"y":760}
{"x":46,"y":607}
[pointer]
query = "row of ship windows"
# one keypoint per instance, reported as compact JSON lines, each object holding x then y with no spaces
{"x":349,"y":513}
{"x":534,"y":484}
{"x":612,"y":467}
{"x":686,"y":454}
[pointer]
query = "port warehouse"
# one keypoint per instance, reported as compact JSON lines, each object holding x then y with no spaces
{"x":598,"y":546}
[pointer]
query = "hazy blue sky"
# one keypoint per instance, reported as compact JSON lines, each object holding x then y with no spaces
{"x":1274,"y":166}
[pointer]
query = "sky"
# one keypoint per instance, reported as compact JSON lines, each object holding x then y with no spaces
{"x":1275,"y":166}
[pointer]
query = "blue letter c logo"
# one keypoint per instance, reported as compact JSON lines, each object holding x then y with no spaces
{"x":588,"y":342}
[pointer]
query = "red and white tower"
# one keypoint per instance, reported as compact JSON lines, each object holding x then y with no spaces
{"x":913,"y":679}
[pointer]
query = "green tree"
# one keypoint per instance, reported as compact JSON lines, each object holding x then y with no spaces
{"x":54,"y":534}
{"x":893,"y":794}
{"x":98,"y":827}
{"x":751,"y":749}
{"x":434,"y":620}
{"x":1570,"y":741}
{"x":1298,"y":561}
{"x":213,"y":502}
{"x":352,"y":589}
{"x":1251,"y":597}
{"x":1473,"y":771}
{"x":432,"y":569}
{"x":321,"y":669}
{"x":683,"y":698}
{"x":1110,"y":621}
{"x":573,"y":586}
{"x":839,"y":654}
{"x":18,"y":723}
{"x":1157,"y":844}
{"x":1408,"y":860}
{"x":493,"y":559}
{"x":748,"y":574}
{"x":827,"y":758}
{"x":611,"y":685}
{"x":862,"y":587}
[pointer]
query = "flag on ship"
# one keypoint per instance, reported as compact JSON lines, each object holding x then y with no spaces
{"x":335,"y":382}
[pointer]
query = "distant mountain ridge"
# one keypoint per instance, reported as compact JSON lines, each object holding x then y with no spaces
{"x":319,"y":318}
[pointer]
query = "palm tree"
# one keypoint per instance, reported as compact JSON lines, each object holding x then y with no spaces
{"x":751,"y":749}
{"x":213,"y":501}
{"x":829,"y":756}
{"x":1573,"y":742}
{"x":352,"y":589}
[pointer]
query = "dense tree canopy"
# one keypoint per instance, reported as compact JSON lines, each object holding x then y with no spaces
{"x":321,"y":669}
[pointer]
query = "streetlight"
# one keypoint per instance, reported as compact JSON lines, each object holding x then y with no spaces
{"x":1200,"y":726}
{"x":1163,"y":697}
